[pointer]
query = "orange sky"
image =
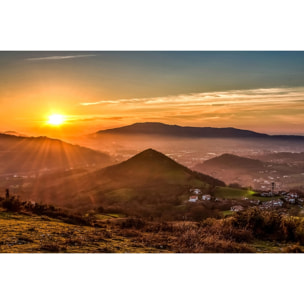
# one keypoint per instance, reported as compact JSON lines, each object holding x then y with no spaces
{"x":260,"y":91}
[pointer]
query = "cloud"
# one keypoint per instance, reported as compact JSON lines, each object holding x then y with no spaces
{"x":221,"y":98}
{"x":101,"y":102}
{"x":263,"y":110}
{"x":88,"y":118}
{"x":58,"y":57}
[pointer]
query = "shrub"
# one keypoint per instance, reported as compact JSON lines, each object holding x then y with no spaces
{"x":237,"y":235}
{"x":135,"y":223}
{"x":196,"y":240}
{"x":12,"y":204}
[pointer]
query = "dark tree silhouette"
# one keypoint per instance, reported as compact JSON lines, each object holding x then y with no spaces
{"x":7,"y":194}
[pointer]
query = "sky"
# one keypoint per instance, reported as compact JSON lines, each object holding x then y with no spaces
{"x":259,"y":91}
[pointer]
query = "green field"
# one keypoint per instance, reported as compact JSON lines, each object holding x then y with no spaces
{"x":121,"y":195}
{"x":227,"y":213}
{"x":233,"y":193}
{"x":109,"y":216}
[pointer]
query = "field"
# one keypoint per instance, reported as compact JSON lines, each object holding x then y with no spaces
{"x":232,"y":193}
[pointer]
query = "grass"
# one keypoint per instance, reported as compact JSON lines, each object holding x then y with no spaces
{"x":227,"y":213}
{"x":122,"y":195}
{"x":233,"y":193}
{"x":267,"y":246}
{"x":275,"y":247}
{"x":252,"y":230}
{"x":108,"y":216}
{"x":30,"y":234}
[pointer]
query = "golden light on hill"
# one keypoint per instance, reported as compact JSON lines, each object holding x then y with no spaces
{"x":56,"y":119}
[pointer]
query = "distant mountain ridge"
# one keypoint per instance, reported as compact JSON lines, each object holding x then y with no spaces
{"x":161,"y":129}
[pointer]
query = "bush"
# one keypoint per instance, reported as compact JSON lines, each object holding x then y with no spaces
{"x":12,"y":204}
{"x":237,"y":235}
{"x":135,"y":223}
{"x":100,"y":209}
{"x":270,"y":225}
{"x":197,"y":240}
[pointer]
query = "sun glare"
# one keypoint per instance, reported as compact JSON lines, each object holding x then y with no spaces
{"x":56,"y":119}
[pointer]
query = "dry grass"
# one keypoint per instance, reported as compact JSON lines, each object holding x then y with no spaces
{"x":246,"y":232}
{"x":26,"y":234}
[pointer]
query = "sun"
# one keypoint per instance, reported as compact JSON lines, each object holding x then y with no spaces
{"x":56,"y":119}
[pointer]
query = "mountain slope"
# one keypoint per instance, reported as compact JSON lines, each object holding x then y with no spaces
{"x":284,"y":169}
{"x":153,"y":166}
{"x":31,"y":154}
{"x":231,"y":162}
{"x":233,"y":169}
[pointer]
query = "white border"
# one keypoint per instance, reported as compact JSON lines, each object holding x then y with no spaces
{"x":151,"y":25}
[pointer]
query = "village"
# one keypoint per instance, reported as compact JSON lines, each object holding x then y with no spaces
{"x":263,"y":200}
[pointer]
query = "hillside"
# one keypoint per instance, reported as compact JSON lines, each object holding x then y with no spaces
{"x":234,"y":169}
{"x":148,"y":181}
{"x":148,"y":178}
{"x":284,"y":169}
{"x":33,"y":154}
{"x":31,"y":233}
{"x":231,"y":162}
{"x":151,"y":166}
{"x":160,"y":129}
{"x":28,"y":228}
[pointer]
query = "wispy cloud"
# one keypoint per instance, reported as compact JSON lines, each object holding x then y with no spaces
{"x":59,"y":57}
{"x":103,"y":102}
{"x":86,"y":118}
{"x":264,"y":110}
{"x":221,"y":98}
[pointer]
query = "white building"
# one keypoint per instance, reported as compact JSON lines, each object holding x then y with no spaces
{"x":196,"y":191}
{"x":237,"y":208}
{"x":277,"y":203}
{"x":193,"y":199}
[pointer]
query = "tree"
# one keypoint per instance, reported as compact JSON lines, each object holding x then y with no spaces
{"x":7,"y":194}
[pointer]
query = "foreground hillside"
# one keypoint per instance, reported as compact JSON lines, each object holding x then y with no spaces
{"x":33,"y":233}
{"x":250,"y":231}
